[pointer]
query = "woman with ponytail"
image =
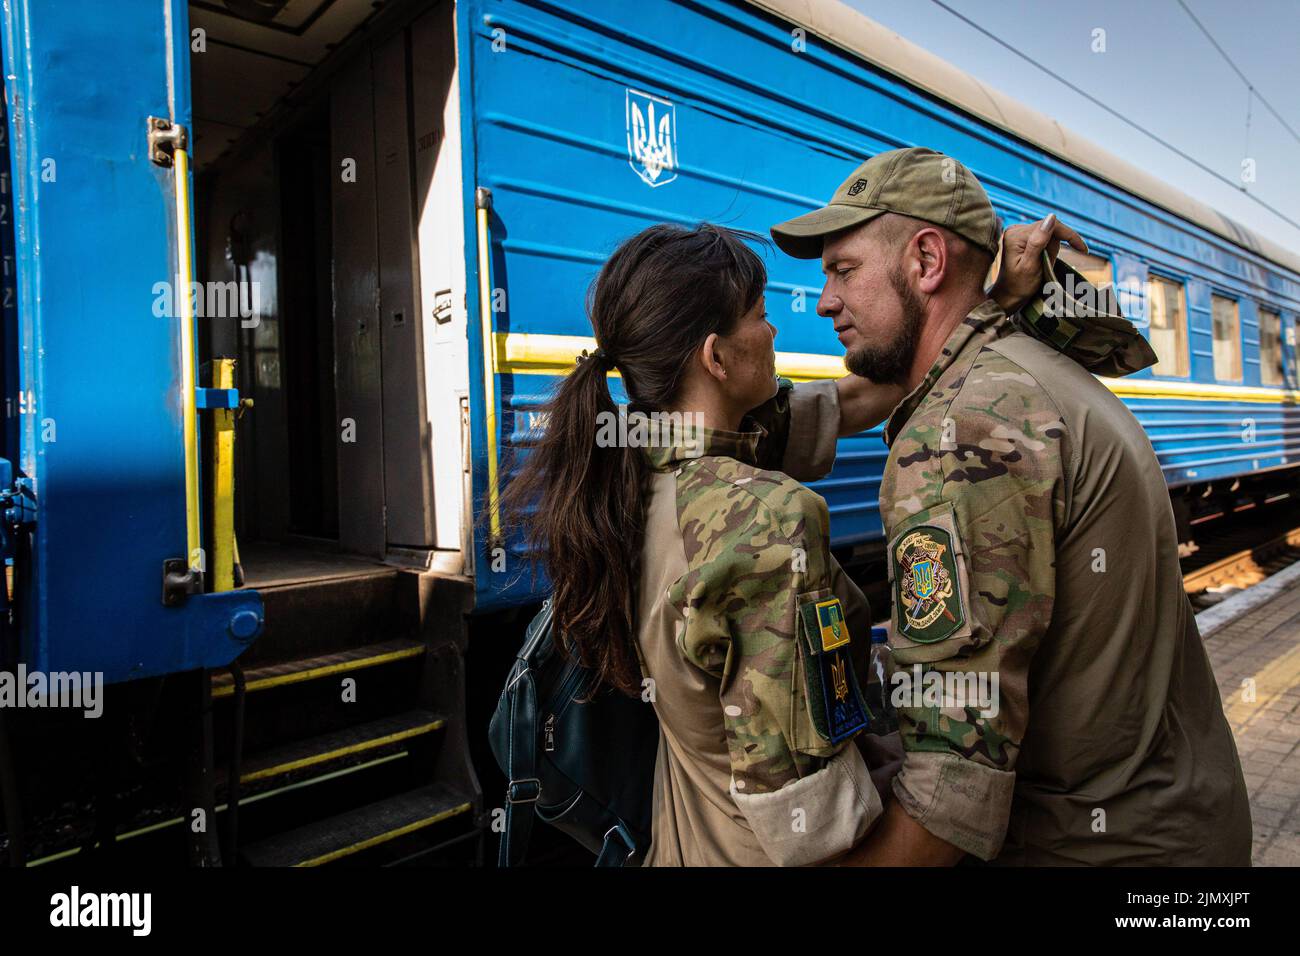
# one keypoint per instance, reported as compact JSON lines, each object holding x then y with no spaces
{"x":686,"y":574}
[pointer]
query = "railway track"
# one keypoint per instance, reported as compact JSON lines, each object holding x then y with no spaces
{"x":1234,"y":551}
{"x":1241,"y":554}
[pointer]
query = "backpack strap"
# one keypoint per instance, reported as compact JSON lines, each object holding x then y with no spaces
{"x":618,"y":847}
{"x":523,"y":787}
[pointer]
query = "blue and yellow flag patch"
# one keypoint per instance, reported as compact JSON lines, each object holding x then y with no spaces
{"x":831,"y":624}
{"x":834,"y":698}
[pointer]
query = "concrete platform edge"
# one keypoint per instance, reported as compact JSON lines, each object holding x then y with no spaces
{"x":1214,"y":619}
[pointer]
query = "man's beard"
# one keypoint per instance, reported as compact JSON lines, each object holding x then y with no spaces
{"x":889,"y":364}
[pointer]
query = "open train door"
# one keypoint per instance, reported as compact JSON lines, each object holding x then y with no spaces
{"x":114,"y":563}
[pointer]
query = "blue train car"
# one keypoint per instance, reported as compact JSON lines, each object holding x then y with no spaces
{"x":105,"y":539}
{"x":762,"y":108}
{"x":288,"y":282}
{"x":743,"y":113}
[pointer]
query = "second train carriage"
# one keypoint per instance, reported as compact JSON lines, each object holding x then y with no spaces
{"x":408,"y":201}
{"x":749,"y":114}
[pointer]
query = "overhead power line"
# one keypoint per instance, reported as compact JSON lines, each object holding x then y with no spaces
{"x":1253,"y":88}
{"x":1118,"y":115}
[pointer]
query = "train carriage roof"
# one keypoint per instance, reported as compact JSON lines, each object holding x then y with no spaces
{"x":862,"y":36}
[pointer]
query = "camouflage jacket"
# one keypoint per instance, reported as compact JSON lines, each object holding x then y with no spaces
{"x":751,"y":637}
{"x":1013,"y":478}
{"x":972,"y":494}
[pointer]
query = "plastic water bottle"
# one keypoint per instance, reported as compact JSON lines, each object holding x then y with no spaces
{"x":884,"y":719}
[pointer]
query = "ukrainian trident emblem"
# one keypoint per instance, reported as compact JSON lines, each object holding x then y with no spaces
{"x":839,"y":680}
{"x":923,"y":579}
{"x":925,"y":569}
{"x":651,"y":137}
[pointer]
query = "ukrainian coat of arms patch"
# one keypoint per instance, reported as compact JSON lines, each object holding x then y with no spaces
{"x":926,"y":587}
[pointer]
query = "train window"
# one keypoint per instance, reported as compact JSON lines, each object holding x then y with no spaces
{"x":1227,"y":339}
{"x":1167,"y":308}
{"x":1270,"y":347}
{"x":1093,"y":268}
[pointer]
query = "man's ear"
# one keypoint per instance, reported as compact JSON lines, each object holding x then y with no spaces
{"x":932,"y":259}
{"x":711,"y":357}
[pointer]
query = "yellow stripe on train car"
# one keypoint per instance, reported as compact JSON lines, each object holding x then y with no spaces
{"x":537,"y":353}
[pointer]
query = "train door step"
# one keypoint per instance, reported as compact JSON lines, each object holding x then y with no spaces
{"x":361,"y":829}
{"x":361,"y":741}
{"x":269,"y":564}
{"x":282,"y":673}
{"x":317,"y":601}
{"x":351,"y":736}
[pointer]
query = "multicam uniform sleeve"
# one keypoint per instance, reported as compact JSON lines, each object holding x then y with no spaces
{"x":974,"y":499}
{"x":764,"y":610}
{"x":802,"y":424}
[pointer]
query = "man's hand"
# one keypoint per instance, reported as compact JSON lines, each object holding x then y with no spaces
{"x":884,"y":758}
{"x":1021,"y":274}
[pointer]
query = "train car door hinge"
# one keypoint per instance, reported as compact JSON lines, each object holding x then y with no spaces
{"x":165,"y":137}
{"x":180,"y":581}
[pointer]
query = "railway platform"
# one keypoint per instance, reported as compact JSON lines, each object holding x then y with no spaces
{"x":1253,"y":640}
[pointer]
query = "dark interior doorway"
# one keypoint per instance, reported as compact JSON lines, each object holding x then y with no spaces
{"x":307,"y":303}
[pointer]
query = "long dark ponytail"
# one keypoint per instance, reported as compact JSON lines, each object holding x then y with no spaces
{"x":655,"y":301}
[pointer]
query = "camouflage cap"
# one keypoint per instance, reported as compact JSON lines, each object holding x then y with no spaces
{"x":1084,"y":322}
{"x":915,"y":182}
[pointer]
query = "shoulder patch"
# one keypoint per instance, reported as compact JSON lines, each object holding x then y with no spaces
{"x":831,"y":625}
{"x":927,"y":587}
{"x":834,"y":698}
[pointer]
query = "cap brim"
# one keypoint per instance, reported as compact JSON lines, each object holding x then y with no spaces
{"x":802,"y":236}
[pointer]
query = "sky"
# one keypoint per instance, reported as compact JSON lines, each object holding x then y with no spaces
{"x":1158,"y":70}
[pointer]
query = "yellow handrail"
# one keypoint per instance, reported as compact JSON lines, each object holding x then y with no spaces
{"x":185,"y":278}
{"x":223,"y":481}
{"x":483,"y":204}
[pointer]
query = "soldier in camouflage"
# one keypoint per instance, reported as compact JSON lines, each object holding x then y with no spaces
{"x":750,"y":634}
{"x":1031,"y":545}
